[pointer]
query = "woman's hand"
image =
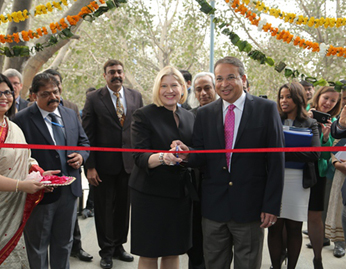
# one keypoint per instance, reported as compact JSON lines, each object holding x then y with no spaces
{"x":326,"y":130}
{"x":177,"y":144}
{"x":310,"y":114}
{"x":30,"y":186}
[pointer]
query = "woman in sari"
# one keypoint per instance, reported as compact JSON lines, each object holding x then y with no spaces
{"x":15,"y":164}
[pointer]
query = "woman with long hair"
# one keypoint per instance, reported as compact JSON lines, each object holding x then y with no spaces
{"x":326,"y":100}
{"x":291,"y":103}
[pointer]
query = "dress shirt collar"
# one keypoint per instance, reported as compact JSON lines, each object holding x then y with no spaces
{"x":121,"y":92}
{"x":239,"y":103}
{"x":45,"y":113}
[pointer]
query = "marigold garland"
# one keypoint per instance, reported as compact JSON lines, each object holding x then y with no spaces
{"x":18,"y":16}
{"x":54,"y":27}
{"x":283,"y":35}
{"x":259,"y":56}
{"x":298,"y":19}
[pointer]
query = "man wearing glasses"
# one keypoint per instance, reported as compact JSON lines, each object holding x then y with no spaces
{"x":52,"y":222}
{"x":17,"y":82}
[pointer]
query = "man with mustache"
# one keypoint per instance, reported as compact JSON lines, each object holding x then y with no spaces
{"x":52,"y":222}
{"x":107,"y":116}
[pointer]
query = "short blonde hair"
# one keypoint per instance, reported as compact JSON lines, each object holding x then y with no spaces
{"x":168,"y":71}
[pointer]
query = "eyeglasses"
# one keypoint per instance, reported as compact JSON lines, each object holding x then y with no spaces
{"x":7,"y":93}
{"x":46,"y":94}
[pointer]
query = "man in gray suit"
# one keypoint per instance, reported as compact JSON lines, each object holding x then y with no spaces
{"x":107,"y":116}
{"x":17,"y":82}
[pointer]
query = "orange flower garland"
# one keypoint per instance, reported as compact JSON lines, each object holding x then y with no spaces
{"x":54,"y":27}
{"x":284,"y":35}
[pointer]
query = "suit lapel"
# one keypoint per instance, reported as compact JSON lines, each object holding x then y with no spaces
{"x":248,"y":107}
{"x":219,"y":122}
{"x":40,"y":124}
{"x":106,"y":99}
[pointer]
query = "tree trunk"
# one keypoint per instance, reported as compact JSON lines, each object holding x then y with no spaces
{"x":34,"y":64}
{"x":13,"y":27}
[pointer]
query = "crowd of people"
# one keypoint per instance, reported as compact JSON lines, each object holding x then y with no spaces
{"x":212,"y":206}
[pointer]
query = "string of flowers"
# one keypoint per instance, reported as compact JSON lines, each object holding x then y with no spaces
{"x":18,"y":16}
{"x":257,"y":55}
{"x":297,"y":19}
{"x":285,"y":35}
{"x":54,"y":27}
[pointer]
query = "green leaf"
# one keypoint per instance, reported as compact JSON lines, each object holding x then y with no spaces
{"x":279,"y":67}
{"x":269,"y":61}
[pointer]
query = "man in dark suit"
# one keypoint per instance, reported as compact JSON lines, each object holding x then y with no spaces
{"x":241,"y":192}
{"x":77,"y":250}
{"x":106,"y":120}
{"x":17,"y":82}
{"x":52,"y":222}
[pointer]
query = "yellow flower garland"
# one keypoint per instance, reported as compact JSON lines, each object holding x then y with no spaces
{"x":18,"y":16}
{"x":54,"y":27}
{"x":298,"y":19}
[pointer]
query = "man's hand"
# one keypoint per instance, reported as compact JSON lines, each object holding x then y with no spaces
{"x":75,"y":160}
{"x":342,"y":119}
{"x":177,"y":144}
{"x":267,"y":220}
{"x":93,"y":177}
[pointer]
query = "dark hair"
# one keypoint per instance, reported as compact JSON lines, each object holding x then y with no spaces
{"x":233,"y":61}
{"x":9,"y":113}
{"x":89,"y":90}
{"x":111,"y":63}
{"x":299,"y":99}
{"x":305,"y":83}
{"x":336,"y":109}
{"x":54,"y":73}
{"x":41,"y":80}
{"x":186,"y":74}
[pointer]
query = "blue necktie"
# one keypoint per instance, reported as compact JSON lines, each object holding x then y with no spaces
{"x":60,"y":140}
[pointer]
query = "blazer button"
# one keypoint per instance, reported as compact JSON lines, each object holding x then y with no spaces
{"x":57,"y":156}
{"x":224,"y":168}
{"x":230,"y":183}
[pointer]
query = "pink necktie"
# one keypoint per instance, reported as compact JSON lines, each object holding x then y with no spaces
{"x":229,"y":130}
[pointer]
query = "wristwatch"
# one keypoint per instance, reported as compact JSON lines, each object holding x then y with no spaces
{"x":162,"y":162}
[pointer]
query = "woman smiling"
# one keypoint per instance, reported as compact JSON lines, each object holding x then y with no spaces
{"x":161,"y":188}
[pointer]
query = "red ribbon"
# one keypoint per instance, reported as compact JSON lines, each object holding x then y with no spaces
{"x":253,"y":150}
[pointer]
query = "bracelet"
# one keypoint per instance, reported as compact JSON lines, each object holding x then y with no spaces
{"x":17,"y":185}
{"x":162,"y":162}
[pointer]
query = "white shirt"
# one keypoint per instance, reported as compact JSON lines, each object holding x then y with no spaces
{"x":122,"y":98}
{"x":48,"y":121}
{"x":238,"y":112}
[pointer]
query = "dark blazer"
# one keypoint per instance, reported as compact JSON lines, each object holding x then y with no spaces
{"x":255,"y":182}
{"x":103,"y":129}
{"x":155,"y":128}
{"x":22,"y":104}
{"x":73,"y":106}
{"x":36,"y":132}
{"x":308,"y":157}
